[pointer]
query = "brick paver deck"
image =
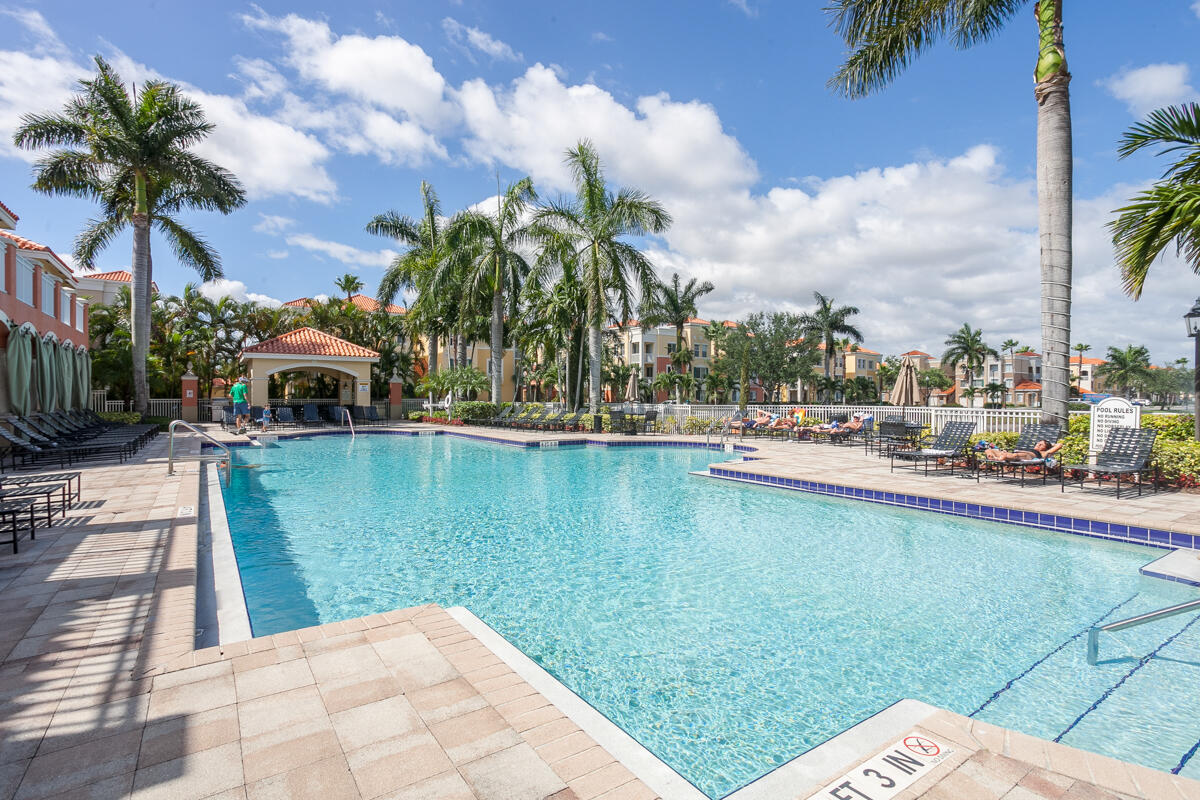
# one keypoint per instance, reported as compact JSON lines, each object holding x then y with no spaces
{"x":102,"y":695}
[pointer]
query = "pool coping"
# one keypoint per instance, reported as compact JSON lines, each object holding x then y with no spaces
{"x":647,"y":767}
{"x":232,"y":615}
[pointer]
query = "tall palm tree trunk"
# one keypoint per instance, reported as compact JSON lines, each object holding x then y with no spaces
{"x":140,"y":311}
{"x":460,"y":348}
{"x":1054,"y":167}
{"x":518,"y":372}
{"x":497,"y":345}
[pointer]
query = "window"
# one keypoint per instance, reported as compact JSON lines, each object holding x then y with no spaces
{"x":79,"y":314}
{"x":699,"y":373}
{"x":649,"y":348}
{"x":635,"y":348}
{"x":48,"y":295}
{"x":670,"y":348}
{"x":24,"y":281}
{"x":649,"y":370}
{"x":65,"y":313}
{"x":695,"y":351}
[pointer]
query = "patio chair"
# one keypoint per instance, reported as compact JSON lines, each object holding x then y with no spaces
{"x":14,"y":512}
{"x":649,"y":421}
{"x":1126,"y":451}
{"x":495,"y":420}
{"x":372,"y":416}
{"x":619,"y":423}
{"x":572,"y":422}
{"x":228,"y":419}
{"x":312,"y":416}
{"x":337,"y":415}
{"x":72,"y":479}
{"x":547,"y":422}
{"x":864,"y":432}
{"x":47,"y":432}
{"x":284,"y":416}
{"x":359,"y":415}
{"x":891,"y":433}
{"x":947,"y":447}
{"x":1030,"y":436}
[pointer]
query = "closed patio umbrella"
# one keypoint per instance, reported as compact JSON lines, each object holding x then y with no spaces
{"x":79,"y":384}
{"x":20,"y":362}
{"x":85,"y":378}
{"x":631,"y":389}
{"x":906,"y":392}
{"x":65,"y":375}
{"x":47,"y":390}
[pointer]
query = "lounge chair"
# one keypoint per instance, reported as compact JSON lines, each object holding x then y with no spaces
{"x":548,"y":422}
{"x":494,"y":421}
{"x":359,"y":415}
{"x":312,"y":416}
{"x":1030,"y":436}
{"x":14,"y":513}
{"x":73,"y":478}
{"x":56,"y":496}
{"x":372,"y":416}
{"x":572,"y":422}
{"x":45,"y":433}
{"x":619,"y":423}
{"x":849,"y":436}
{"x":1126,"y":451}
{"x":532,"y":421}
{"x":947,"y":447}
{"x":32,"y":453}
{"x":337,"y":415}
{"x":649,"y":421}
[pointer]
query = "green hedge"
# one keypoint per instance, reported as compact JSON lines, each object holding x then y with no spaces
{"x":124,"y":417}
{"x":473,"y":409}
{"x":416,"y":416}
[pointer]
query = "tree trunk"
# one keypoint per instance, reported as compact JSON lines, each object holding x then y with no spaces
{"x":744,"y":396}
{"x":140,"y":311}
{"x":460,"y":347}
{"x":518,"y":372}
{"x":577,"y":400}
{"x":497,"y":345}
{"x":1054,"y":166}
{"x":431,"y":364}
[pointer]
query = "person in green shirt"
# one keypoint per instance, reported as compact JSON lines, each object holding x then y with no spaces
{"x":241,"y":408}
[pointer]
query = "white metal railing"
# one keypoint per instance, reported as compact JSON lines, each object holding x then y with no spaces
{"x":99,"y":396}
{"x":350,"y":422}
{"x":114,"y":405}
{"x":171,"y":408}
{"x":987,"y":420}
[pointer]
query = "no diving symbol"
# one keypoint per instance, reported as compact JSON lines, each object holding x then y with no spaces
{"x":921,"y":746}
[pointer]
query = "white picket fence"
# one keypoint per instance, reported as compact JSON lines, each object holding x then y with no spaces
{"x":171,"y":408}
{"x":987,"y":420}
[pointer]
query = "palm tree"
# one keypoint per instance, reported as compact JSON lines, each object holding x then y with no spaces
{"x":1009,"y":346}
{"x":1169,"y":211}
{"x":1126,"y":369}
{"x":131,"y":151}
{"x":827,"y":323}
{"x":588,"y":233}
{"x":673,"y":305}
{"x":415,"y":268}
{"x":885,"y":35}
{"x":994,"y":390}
{"x":350,"y":284}
{"x":716,"y":384}
{"x":966,"y":346}
{"x":1080,"y":348}
{"x":485,"y":259}
{"x":667,"y":382}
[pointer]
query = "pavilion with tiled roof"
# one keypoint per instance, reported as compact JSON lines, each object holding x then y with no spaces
{"x":360,"y":301}
{"x":309,"y":350}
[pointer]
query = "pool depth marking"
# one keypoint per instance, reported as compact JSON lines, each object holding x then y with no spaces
{"x":888,"y":772}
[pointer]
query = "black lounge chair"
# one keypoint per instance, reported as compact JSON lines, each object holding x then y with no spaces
{"x":619,"y":423}
{"x":372,"y":416}
{"x":948,"y":446}
{"x":572,"y":422}
{"x":529,"y":421}
{"x":284,"y":416}
{"x":505,"y":413}
{"x":337,"y":415}
{"x":32,"y":453}
{"x":1030,"y":436}
{"x":14,"y":511}
{"x":548,"y":422}
{"x":1126,"y":451}
{"x":56,"y":496}
{"x":649,"y":421}
{"x":311,"y":415}
{"x":864,"y":433}
{"x":73,"y":478}
{"x":892,"y":433}
{"x":359,"y":415}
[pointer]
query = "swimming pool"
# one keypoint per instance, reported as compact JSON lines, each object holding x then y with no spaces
{"x":727,"y":628}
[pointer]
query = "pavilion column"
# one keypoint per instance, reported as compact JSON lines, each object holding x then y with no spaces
{"x":396,"y":397}
{"x":191,"y":396}
{"x":259,"y":390}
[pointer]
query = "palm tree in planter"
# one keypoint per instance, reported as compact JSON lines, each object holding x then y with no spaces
{"x":132,"y":151}
{"x":485,"y":259}
{"x":590,"y":232}
{"x":885,"y":35}
{"x":1126,"y":369}
{"x":966,"y":347}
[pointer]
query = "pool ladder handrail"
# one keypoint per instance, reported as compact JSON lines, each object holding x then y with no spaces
{"x":1093,"y":645}
{"x":194,"y":429}
{"x":350,"y":422}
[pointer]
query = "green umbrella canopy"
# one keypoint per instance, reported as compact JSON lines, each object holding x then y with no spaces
{"x":47,"y":391}
{"x":20,"y":357}
{"x":66,"y":377}
{"x":87,"y":377}
{"x":82,"y":387}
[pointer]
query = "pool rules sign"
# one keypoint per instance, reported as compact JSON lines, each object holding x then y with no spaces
{"x":1109,"y":413}
{"x":888,"y":773}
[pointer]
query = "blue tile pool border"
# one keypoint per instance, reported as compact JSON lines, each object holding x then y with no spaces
{"x":1093,"y":529}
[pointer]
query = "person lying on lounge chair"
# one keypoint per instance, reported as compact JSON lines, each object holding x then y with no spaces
{"x":761,"y":420}
{"x":778,"y":423}
{"x":854,"y":425}
{"x":1042,"y":451}
{"x":824,"y":427}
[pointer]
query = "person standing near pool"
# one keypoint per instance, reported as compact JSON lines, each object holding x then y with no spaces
{"x":241,"y":408}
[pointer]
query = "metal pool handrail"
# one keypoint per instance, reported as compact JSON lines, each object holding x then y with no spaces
{"x":1093,"y":645}
{"x":191,"y":427}
{"x":350,"y":422}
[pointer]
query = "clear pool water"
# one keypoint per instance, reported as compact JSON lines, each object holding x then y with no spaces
{"x":728,"y":628}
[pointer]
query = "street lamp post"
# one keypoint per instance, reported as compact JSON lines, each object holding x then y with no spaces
{"x":1192,"y":319}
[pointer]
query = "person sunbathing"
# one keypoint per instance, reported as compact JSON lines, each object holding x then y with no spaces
{"x":761,"y":420}
{"x":1041,"y":451}
{"x":855,"y":424}
{"x":781,"y":424}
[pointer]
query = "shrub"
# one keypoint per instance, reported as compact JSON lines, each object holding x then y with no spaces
{"x":440,"y":415}
{"x":1178,"y":462}
{"x":1079,"y":406}
{"x":1170,"y":427}
{"x":416,"y":416}
{"x":1004,"y":440}
{"x":125,"y":417}
{"x":473,"y":409}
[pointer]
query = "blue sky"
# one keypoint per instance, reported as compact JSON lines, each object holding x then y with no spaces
{"x":916,"y":204}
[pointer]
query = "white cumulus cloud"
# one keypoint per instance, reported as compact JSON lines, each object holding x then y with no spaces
{"x":236,"y":290}
{"x":273,"y":224}
{"x":344,"y":253}
{"x":1153,"y":86}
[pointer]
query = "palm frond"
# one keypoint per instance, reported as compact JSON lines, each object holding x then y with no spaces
{"x":190,"y":248}
{"x":96,"y":236}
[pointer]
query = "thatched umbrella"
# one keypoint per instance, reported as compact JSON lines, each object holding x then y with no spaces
{"x":906,"y":392}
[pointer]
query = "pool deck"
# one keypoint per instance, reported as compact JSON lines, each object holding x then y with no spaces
{"x":102,"y":694}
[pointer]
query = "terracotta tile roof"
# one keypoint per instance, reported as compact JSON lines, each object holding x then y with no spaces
{"x":29,"y":244}
{"x":859,"y":349}
{"x":696,"y":321}
{"x":360,"y":301}
{"x":1029,"y":355}
{"x":1095,"y":362}
{"x":9,"y":211}
{"x":916,"y":353}
{"x":121,"y":275}
{"x":1027,"y":386}
{"x":310,"y":342}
